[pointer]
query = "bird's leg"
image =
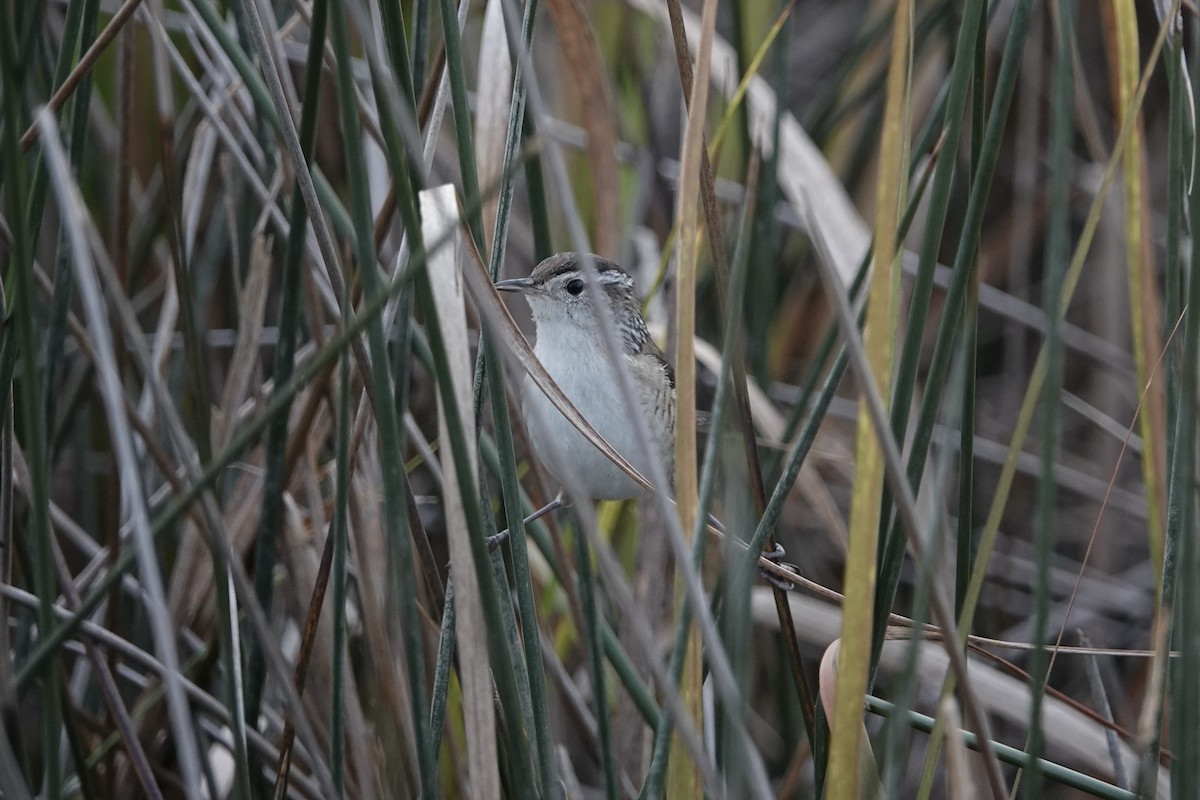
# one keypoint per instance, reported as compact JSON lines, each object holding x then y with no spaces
{"x":775,"y":556}
{"x":498,"y":539}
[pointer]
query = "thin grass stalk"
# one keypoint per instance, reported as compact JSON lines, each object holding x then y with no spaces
{"x":891,"y":552}
{"x":965,"y":534}
{"x":231,"y":660}
{"x":764,"y":258}
{"x":33,"y":422}
{"x":1178,"y":608}
{"x":526,"y":602}
{"x":1104,"y":707}
{"x":735,"y":607}
{"x":8,"y":358}
{"x":283,"y":768}
{"x":77,"y":121}
{"x":1071,"y":280}
{"x":181,"y":502}
{"x":961,"y":78}
{"x":854,"y":658}
{"x":133,"y":500}
{"x":966,"y":257}
{"x":683,"y":778}
{"x":79,"y":14}
{"x":443,"y":666}
{"x":385,"y":412}
{"x":187,"y":457}
{"x":420,"y":44}
{"x":1070,"y":283}
{"x":80,"y":23}
{"x":1009,"y":755}
{"x":1055,"y":255}
{"x":462,"y":120}
{"x":769,"y":520}
{"x":197,"y":400}
{"x":819,"y":364}
{"x":318,"y":194}
{"x":340,"y":533}
{"x":695,"y":98}
{"x":613,"y":649}
{"x":653,"y":785}
{"x":907,"y":683}
{"x":397,"y":44}
{"x":535,"y":191}
{"x":114,"y":704}
{"x":737,"y":38}
{"x":964,"y":538}
{"x":86,"y":62}
{"x":591,"y":635}
{"x":401,"y":139}
{"x":906,"y":503}
{"x":1181,"y":381}
{"x":497,"y":645}
{"x":512,"y":142}
{"x":1173,"y":280}
{"x":966,"y":260}
{"x":510,"y":486}
{"x":275,"y":471}
{"x":518,"y":644}
{"x":1144,"y":304}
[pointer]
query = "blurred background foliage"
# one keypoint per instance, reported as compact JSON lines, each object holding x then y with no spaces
{"x":230,"y":519}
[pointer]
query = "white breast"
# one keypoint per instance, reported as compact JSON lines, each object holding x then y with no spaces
{"x":586,"y":377}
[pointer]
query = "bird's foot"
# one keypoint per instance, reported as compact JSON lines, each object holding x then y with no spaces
{"x":495,"y":540}
{"x":775,"y":556}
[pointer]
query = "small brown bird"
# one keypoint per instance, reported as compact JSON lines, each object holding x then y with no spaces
{"x":571,"y":347}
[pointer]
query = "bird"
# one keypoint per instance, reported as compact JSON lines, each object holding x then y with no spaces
{"x":571,"y":346}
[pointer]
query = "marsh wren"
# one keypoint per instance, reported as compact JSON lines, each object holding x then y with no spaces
{"x":571,"y":346}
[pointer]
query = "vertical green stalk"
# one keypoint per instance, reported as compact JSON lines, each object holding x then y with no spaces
{"x":1174,"y":278}
{"x":510,"y":486}
{"x":739,"y":586}
{"x":965,"y":263}
{"x":64,"y":276}
{"x":1180,"y":601}
{"x":420,"y":44}
{"x":535,"y":189}
{"x":734,"y":620}
{"x":1057,"y":252}
{"x":591,"y":635}
{"x":512,"y":143}
{"x":966,"y":440}
{"x":78,"y":28}
{"x":891,"y":545}
{"x":32,"y":410}
{"x":526,"y":602}
{"x":397,"y":44}
{"x":462,"y":121}
{"x":275,"y":477}
{"x":385,"y":411}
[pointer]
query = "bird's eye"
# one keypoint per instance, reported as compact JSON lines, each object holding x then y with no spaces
{"x":575,"y":286}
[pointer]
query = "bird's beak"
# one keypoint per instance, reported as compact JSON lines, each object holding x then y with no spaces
{"x":521,"y":285}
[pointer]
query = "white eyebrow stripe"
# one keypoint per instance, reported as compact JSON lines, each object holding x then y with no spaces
{"x":612,"y":277}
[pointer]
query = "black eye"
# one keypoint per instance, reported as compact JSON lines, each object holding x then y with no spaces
{"x":575,"y":286}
